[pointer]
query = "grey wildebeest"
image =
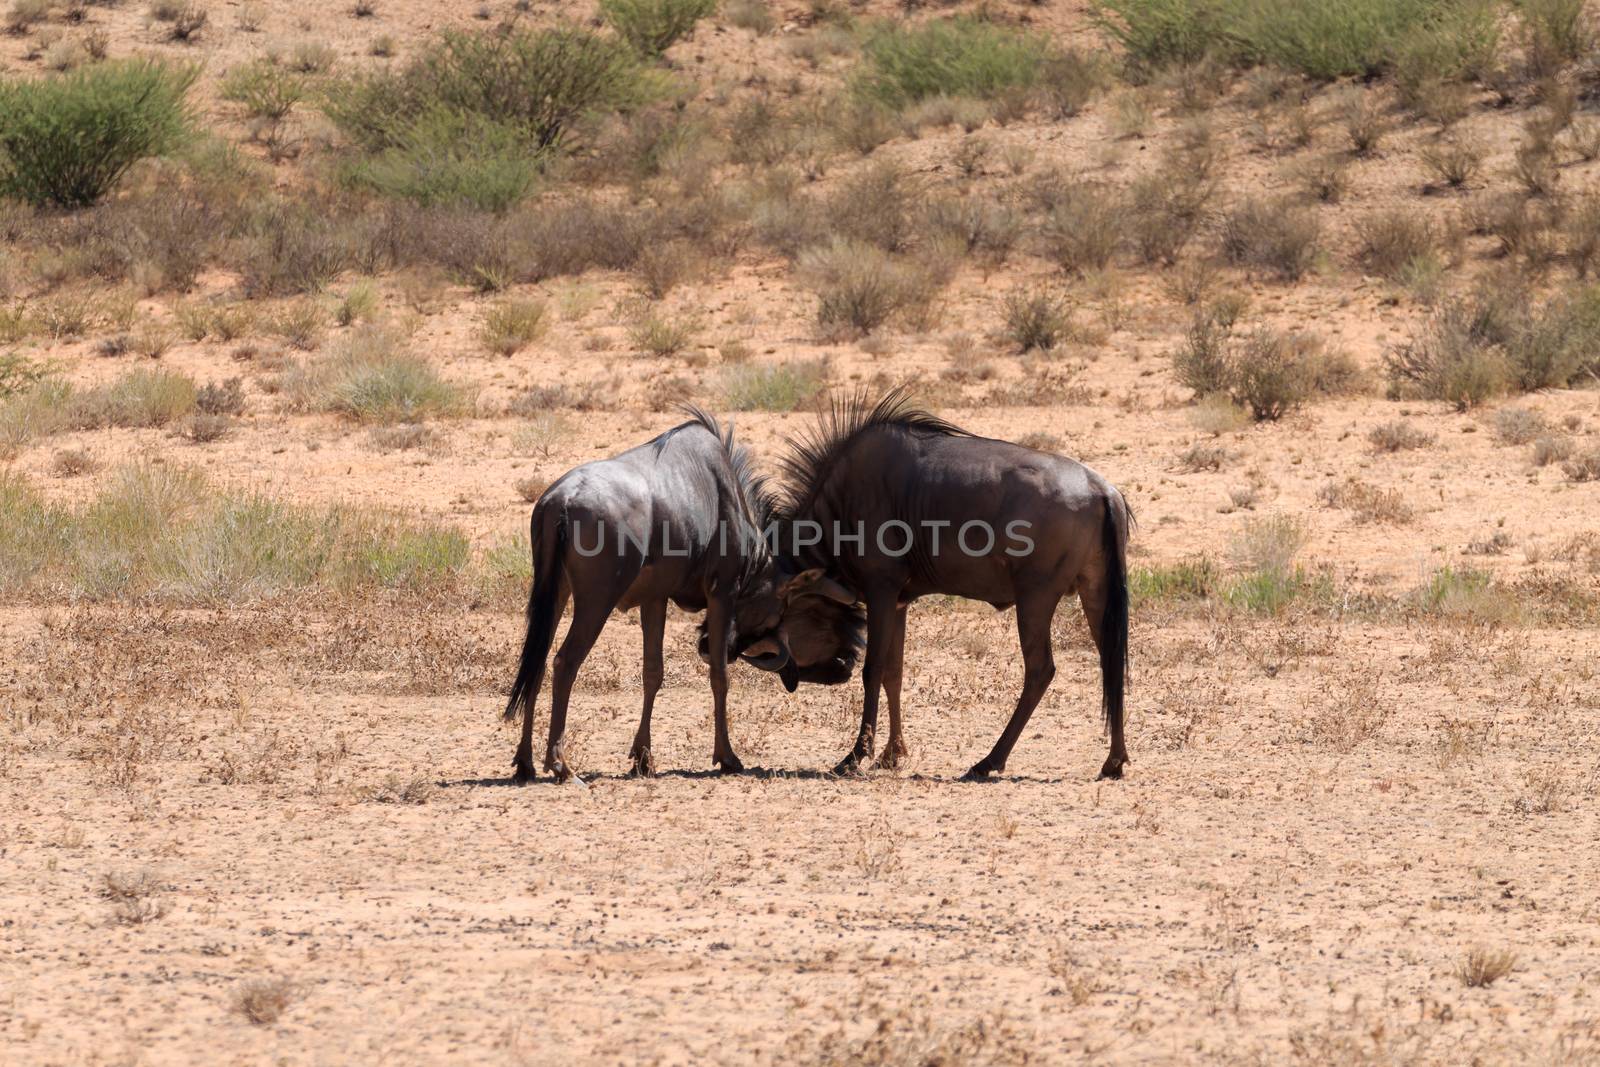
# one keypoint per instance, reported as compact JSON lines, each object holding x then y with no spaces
{"x":679,"y":518}
{"x":895,"y":504}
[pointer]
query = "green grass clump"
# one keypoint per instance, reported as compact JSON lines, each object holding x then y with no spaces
{"x":375,"y":378}
{"x":652,"y":26}
{"x":162,"y":532}
{"x":512,"y":325}
{"x":1322,"y":39}
{"x":958,"y":57}
{"x":773,"y":386}
{"x":139,"y":399}
{"x":67,"y":140}
{"x":1192,"y":579}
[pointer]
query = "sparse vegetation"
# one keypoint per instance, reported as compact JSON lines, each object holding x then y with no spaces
{"x":652,"y":26}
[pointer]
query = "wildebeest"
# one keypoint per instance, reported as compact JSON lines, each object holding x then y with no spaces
{"x":679,"y":518}
{"x":924,"y":507}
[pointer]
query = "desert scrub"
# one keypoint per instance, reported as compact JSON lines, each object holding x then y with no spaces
{"x":773,"y":386}
{"x":164,"y":533}
{"x":140,"y":398}
{"x":860,"y":287}
{"x":67,"y":140}
{"x":265,"y":89}
{"x":532,"y":84}
{"x":1322,"y":39}
{"x":1037,"y":319}
{"x":954,"y":57}
{"x":509,"y":326}
{"x":1275,"y":236}
{"x":652,"y":26}
{"x":374,"y":377}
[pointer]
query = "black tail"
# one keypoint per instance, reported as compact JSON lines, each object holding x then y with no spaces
{"x":549,"y":547}
{"x":1114,"y":624}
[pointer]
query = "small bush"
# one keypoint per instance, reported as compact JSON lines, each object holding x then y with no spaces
{"x":221,"y":398}
{"x":950,"y":57}
{"x":1192,"y":579}
{"x":1393,"y":241}
{"x":861,"y":287}
{"x":1085,"y":226}
{"x":1455,"y":358}
{"x":1037,"y":319}
{"x":1204,"y":363}
{"x":1584,"y":467}
{"x":202,"y":429}
{"x":661,"y":335}
{"x":1368,"y":503}
{"x":512,"y":325}
{"x":1274,"y":373}
{"x":141,"y":398}
{"x":265,"y":89}
{"x":451,"y":159}
{"x":263,"y":1001}
{"x":1274,"y":236}
{"x":292,"y":249}
{"x":1482,"y":967}
{"x":1551,"y":448}
{"x":1398,"y":436}
{"x":372,"y":377}
{"x":1518,"y":426}
{"x":652,"y":26}
{"x":1167,"y":207}
{"x":68,"y":140}
{"x":1453,"y":163}
{"x":773,"y":386}
{"x":1068,"y":80}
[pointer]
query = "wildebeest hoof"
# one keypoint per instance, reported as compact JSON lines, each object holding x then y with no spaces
{"x":729,"y":764}
{"x":889,"y":759}
{"x":980,"y":772}
{"x":523,"y":773}
{"x":852,"y":765}
{"x":644,"y":765}
{"x":1112,"y":770}
{"x":561,"y":771}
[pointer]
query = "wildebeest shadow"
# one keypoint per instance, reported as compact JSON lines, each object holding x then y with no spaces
{"x":776,"y":774}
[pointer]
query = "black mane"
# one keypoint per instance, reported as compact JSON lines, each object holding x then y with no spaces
{"x":813,"y":454}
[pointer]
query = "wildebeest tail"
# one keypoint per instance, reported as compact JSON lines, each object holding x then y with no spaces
{"x":1114,"y":624}
{"x":549,"y":546}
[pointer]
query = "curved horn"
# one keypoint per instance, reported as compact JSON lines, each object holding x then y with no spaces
{"x":775,"y":661}
{"x":767,"y":646}
{"x":831,"y":589}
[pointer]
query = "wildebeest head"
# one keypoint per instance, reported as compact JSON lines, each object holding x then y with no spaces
{"x":805,"y":626}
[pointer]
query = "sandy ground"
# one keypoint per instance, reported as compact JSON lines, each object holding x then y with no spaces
{"x":300,"y":811}
{"x":1322,"y":821}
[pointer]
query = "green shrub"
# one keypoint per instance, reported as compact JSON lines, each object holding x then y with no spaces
{"x":652,"y":26}
{"x":1158,"y":33}
{"x":950,"y":57}
{"x":32,"y":533}
{"x":449,"y":158}
{"x":1192,"y":579}
{"x":535,"y":83}
{"x":773,"y":386}
{"x":67,"y":140}
{"x":266,"y":89}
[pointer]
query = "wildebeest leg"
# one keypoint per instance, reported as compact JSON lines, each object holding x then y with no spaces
{"x":882,"y":616}
{"x":588,"y":619}
{"x":719,"y":611}
{"x":1033,"y":628}
{"x":523,"y":761}
{"x":653,"y":621}
{"x":895,"y":748}
{"x":1096,"y":601}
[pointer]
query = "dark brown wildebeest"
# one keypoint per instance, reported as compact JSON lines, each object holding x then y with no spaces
{"x":679,"y":518}
{"x":897,"y":504}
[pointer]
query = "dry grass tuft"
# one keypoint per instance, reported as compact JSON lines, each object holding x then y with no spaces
{"x":1367,"y":503}
{"x":262,"y":1001}
{"x":1483,"y":967}
{"x":1398,"y":435}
